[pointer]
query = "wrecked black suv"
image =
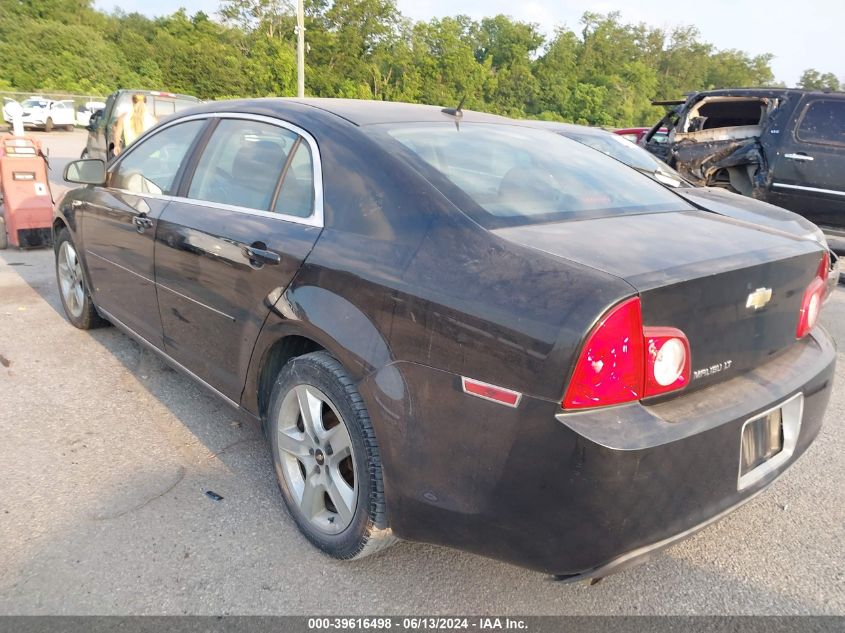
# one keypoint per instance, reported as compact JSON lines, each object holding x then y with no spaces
{"x":784,"y":146}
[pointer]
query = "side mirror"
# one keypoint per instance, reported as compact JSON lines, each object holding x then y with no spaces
{"x":89,"y":171}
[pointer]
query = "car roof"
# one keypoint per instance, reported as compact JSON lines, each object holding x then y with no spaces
{"x":760,"y":92}
{"x":158,"y":93}
{"x":359,"y":112}
{"x":369,"y":112}
{"x":557,"y":126}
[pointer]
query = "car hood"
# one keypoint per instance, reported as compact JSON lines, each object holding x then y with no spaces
{"x":717,"y":200}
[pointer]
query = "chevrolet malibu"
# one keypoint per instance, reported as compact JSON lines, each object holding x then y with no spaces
{"x":457,"y":329}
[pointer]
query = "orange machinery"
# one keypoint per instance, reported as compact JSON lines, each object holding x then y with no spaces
{"x":26,"y":216}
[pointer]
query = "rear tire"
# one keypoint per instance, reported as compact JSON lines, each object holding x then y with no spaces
{"x":73,"y":289}
{"x":48,"y":126}
{"x":327,"y":459}
{"x":4,"y":241}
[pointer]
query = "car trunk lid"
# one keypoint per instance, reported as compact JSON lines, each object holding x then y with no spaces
{"x":705,"y":274}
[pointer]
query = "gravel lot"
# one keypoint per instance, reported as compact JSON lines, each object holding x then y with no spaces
{"x":107,"y":453}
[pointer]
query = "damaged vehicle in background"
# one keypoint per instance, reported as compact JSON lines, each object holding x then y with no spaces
{"x":714,"y":199}
{"x":783,"y":146}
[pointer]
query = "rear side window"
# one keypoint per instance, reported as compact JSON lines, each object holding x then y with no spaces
{"x":518,"y":175}
{"x":823,"y":122}
{"x":163,"y":107}
{"x":296,"y":195}
{"x":243,"y":163}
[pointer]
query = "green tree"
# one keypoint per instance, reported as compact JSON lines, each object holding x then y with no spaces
{"x":812,"y":79}
{"x":604,"y":73}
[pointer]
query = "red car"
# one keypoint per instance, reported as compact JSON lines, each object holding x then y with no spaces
{"x":635,"y":134}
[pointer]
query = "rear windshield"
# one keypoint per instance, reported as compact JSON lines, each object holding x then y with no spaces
{"x":623,"y":150}
{"x":515,"y":175}
{"x":159,"y":106}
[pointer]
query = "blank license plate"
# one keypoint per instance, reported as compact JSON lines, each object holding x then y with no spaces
{"x":762,"y":439}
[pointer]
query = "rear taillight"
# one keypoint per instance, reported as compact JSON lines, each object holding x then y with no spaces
{"x":610,"y":368}
{"x":824,"y":267}
{"x":811,"y":303}
{"x":623,"y":362}
{"x":667,"y":360}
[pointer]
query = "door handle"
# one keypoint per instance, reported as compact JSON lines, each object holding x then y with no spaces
{"x":258,"y":256}
{"x":799,"y":156}
{"x":142,"y":223}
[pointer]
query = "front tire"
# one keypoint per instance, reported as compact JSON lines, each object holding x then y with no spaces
{"x":327,"y":459}
{"x":48,"y":126}
{"x":3,"y":239}
{"x":76,"y":300}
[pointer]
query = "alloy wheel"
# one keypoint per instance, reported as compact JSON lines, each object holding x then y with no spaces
{"x":317,"y":459}
{"x":70,"y":279}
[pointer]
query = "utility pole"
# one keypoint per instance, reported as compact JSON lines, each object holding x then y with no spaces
{"x":300,"y":49}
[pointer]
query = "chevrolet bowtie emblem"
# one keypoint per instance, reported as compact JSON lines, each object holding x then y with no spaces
{"x":759,"y":298}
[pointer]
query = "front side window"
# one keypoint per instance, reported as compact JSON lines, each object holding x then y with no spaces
{"x":152,"y":165}
{"x":823,"y":122}
{"x":517,"y":175}
{"x":243,"y":163}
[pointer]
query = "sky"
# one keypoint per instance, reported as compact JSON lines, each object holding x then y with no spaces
{"x":801,"y":34}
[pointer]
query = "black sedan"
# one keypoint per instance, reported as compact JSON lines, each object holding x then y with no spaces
{"x":457,"y":329}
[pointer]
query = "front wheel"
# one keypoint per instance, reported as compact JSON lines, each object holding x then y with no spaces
{"x":48,"y":126}
{"x":327,"y":459}
{"x":76,"y":300}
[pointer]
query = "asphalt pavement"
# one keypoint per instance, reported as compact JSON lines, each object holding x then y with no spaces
{"x":107,"y":454}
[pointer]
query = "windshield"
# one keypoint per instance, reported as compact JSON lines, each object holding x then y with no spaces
{"x":34,"y":103}
{"x":625,"y":151}
{"x":517,"y":175}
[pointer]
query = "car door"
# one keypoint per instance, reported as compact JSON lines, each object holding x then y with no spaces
{"x":119,"y":225}
{"x":96,"y":146}
{"x":247,"y":217}
{"x":808,"y":167}
{"x":63,"y":114}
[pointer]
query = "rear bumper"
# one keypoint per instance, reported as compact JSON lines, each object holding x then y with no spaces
{"x":586,"y":494}
{"x":642,"y":554}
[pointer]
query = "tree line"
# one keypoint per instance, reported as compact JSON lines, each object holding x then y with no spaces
{"x":604,"y":72}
